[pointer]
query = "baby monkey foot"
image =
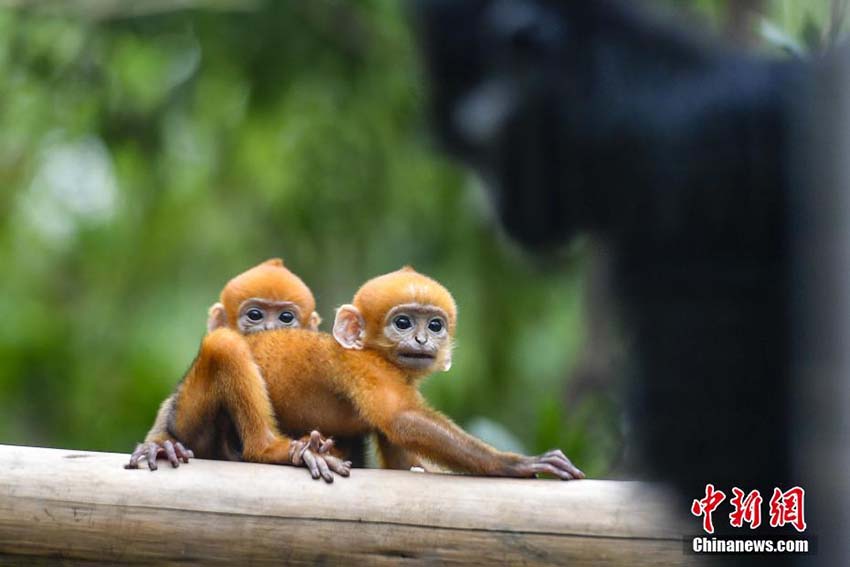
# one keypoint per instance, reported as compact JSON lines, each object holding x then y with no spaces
{"x":314,"y":452}
{"x":552,"y":462}
{"x":173,"y":451}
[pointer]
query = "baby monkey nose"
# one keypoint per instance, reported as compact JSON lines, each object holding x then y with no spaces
{"x":421,"y":339}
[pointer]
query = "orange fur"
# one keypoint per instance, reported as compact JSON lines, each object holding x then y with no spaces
{"x":358,"y":392}
{"x":225,"y":379}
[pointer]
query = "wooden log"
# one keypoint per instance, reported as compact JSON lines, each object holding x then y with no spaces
{"x":81,"y":507}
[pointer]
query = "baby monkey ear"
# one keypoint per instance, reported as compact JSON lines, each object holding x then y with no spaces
{"x":217,"y":318}
{"x":349,"y":328}
{"x":314,"y":322}
{"x":447,"y":361}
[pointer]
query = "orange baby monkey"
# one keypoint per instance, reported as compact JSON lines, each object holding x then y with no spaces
{"x":263,"y":298}
{"x":363,"y":379}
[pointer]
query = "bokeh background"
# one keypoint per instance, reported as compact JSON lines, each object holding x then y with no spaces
{"x":151,"y":150}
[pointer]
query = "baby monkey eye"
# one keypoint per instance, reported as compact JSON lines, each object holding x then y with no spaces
{"x":435,"y":325}
{"x":286,"y":317}
{"x":402,"y":322}
{"x":254,"y":314}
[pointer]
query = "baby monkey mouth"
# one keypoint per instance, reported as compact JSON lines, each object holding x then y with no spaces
{"x":418,"y":355}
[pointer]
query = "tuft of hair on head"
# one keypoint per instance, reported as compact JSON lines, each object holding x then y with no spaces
{"x":273,"y":262}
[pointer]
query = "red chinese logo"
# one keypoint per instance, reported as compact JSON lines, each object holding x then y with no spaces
{"x":787,"y":508}
{"x":707,"y":505}
{"x":747,"y":509}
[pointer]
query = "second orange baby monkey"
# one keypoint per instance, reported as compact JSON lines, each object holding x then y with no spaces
{"x":364,"y":379}
{"x":263,"y":298}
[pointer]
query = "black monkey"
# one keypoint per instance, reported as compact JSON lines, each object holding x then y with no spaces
{"x":591,"y":116}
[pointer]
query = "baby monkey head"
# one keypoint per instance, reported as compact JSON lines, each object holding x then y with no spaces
{"x":408,"y":317}
{"x":266,"y":297}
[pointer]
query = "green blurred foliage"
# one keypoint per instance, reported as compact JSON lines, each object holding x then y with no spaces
{"x":798,"y":27}
{"x":146,"y":159}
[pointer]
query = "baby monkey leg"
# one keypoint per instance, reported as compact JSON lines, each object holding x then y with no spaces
{"x":225,"y":379}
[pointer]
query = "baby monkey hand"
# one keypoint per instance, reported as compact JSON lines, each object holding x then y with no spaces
{"x":151,"y":451}
{"x":552,"y":462}
{"x":314,"y":452}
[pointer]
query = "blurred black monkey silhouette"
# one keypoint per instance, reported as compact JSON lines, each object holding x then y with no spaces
{"x":594,"y":117}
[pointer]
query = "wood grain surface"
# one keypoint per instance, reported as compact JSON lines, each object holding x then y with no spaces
{"x":78,"y":507}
